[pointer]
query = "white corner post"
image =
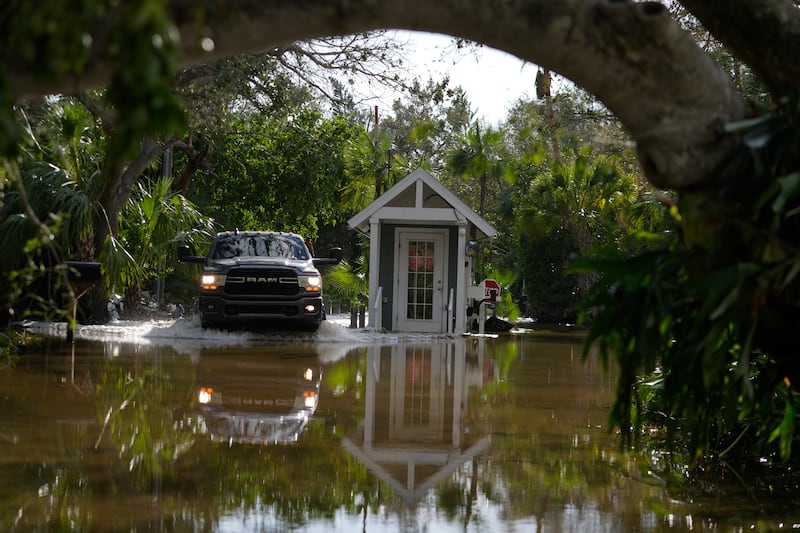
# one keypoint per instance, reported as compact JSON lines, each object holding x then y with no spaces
{"x":461,"y":278}
{"x":375,"y":306}
{"x":376,"y":313}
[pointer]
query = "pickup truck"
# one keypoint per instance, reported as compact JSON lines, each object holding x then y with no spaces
{"x":260,"y":278}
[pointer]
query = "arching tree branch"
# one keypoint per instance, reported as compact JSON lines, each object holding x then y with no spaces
{"x":632,"y":56}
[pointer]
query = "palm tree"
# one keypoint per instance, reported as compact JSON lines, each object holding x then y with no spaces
{"x":46,"y":193}
{"x":153,"y":221}
{"x":477,"y":159}
{"x":348,"y":282}
{"x":60,"y":184}
{"x":585,"y":200}
{"x":372,"y":165}
{"x":585,"y":197}
{"x":62,"y":175}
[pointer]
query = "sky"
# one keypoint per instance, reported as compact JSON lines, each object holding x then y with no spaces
{"x":493,"y":80}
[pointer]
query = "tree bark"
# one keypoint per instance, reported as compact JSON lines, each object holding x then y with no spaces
{"x":195,"y":161}
{"x":117,"y":187}
{"x":765,"y":34}
{"x":632,"y":56}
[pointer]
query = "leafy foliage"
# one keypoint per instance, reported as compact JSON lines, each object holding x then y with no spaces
{"x":427,"y":124}
{"x":56,"y":199}
{"x":478,"y":164}
{"x":56,"y":41}
{"x":43,"y":214}
{"x":505,"y":307}
{"x":141,"y":89}
{"x":348,"y":282}
{"x":154,"y":222}
{"x":707,"y":313}
{"x":573,"y":207}
{"x":550,"y":292}
{"x":372,"y":167}
{"x":12,"y":342}
{"x":574,"y":186}
{"x":277,"y":174}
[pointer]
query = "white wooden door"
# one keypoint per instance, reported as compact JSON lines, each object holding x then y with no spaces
{"x":420,"y":270}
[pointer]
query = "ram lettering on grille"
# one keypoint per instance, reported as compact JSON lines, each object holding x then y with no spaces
{"x":261,"y":280}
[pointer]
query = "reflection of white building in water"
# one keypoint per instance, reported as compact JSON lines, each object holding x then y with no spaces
{"x":417,"y":429}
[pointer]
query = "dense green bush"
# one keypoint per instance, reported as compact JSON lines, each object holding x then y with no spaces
{"x":709,"y":316}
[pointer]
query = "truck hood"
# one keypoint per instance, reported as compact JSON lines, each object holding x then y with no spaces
{"x":246,"y":261}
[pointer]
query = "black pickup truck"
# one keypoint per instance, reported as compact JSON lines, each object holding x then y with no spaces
{"x":261,"y":279}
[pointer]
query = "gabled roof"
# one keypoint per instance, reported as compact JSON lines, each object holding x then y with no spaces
{"x":362,"y":219}
{"x":429,"y":467}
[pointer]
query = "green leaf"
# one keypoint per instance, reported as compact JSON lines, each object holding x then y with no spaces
{"x":790,"y":185}
{"x":745,"y":125}
{"x":140,"y":444}
{"x":785,"y":431}
{"x":726,"y":304}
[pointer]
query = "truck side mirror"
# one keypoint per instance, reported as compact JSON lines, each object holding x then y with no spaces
{"x":334,"y":259}
{"x":183,"y":252}
{"x":185,"y":255}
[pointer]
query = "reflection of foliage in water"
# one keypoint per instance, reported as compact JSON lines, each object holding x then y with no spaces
{"x":346,"y":376}
{"x":311,"y":479}
{"x":37,"y":491}
{"x":12,"y":342}
{"x":547,"y":452}
{"x":732,"y":469}
{"x":137,"y":410}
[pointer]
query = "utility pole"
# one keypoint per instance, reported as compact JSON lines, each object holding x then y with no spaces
{"x":378,"y":181}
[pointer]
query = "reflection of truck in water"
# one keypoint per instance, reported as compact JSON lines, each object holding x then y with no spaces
{"x":260,"y":278}
{"x":256,"y":398}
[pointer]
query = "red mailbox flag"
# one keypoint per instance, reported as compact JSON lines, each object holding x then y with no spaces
{"x":491,"y":285}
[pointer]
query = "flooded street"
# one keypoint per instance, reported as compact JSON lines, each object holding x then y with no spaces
{"x":167,"y":427}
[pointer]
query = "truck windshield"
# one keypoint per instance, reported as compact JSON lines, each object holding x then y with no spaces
{"x":262,"y":245}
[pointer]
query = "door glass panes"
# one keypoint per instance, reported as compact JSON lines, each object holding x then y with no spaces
{"x":420,"y":280}
{"x":417,"y":393}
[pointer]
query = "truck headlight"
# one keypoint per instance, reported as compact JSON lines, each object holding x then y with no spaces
{"x":212,"y":282}
{"x":310,"y":399}
{"x":204,"y":395}
{"x":310,"y":283}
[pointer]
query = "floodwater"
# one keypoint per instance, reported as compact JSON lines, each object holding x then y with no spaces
{"x":167,"y":427}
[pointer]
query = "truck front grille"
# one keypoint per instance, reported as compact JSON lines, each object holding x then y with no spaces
{"x":261,"y":282}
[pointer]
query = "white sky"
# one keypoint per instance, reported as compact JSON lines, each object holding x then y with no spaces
{"x":492,"y":79}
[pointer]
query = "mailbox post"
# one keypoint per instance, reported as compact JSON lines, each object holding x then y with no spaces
{"x":490,"y":290}
{"x":81,"y":277}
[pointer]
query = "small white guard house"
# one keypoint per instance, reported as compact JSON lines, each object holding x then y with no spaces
{"x":419,"y":270}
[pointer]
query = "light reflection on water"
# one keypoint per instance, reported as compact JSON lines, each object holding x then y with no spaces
{"x":338,"y":431}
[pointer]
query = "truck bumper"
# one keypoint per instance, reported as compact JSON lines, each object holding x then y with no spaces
{"x":219,"y":311}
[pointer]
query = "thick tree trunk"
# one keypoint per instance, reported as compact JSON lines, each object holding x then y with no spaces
{"x":632,"y":56}
{"x":117,"y":187}
{"x":765,"y":34}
